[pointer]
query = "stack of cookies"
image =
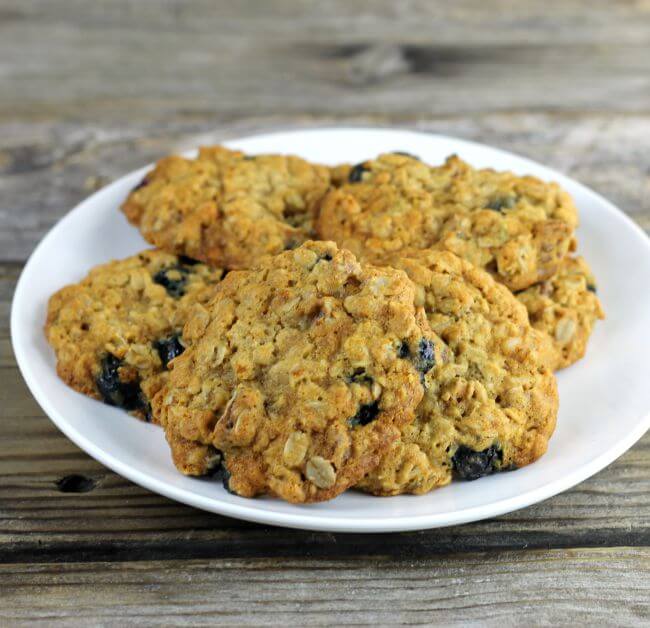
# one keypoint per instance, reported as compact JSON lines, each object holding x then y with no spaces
{"x":301,"y":330}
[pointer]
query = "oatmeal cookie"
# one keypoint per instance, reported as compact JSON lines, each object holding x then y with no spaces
{"x":566,"y":308}
{"x":300,"y":372}
{"x":492,"y":405}
{"x":225,"y":208}
{"x":116,"y":332}
{"x":517,"y":228}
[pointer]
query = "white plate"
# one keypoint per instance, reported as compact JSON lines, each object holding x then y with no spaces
{"x":605,"y":398}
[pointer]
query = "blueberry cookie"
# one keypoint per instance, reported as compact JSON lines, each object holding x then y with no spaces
{"x":566,"y":308}
{"x":225,"y":208}
{"x":492,"y":405}
{"x":300,"y":373}
{"x":116,"y":332}
{"x":517,"y":228}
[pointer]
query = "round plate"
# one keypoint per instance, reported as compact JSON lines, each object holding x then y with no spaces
{"x":604,"y":399}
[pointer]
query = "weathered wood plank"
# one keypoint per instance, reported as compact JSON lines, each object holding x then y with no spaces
{"x":576,"y":587}
{"x":46,"y":167}
{"x":118,"y":520}
{"x":489,"y":21}
{"x":125,"y":59}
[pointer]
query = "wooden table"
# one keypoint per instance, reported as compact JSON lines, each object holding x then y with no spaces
{"x":90,"y":90}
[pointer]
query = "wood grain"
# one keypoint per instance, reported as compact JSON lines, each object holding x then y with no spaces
{"x":579,"y":587}
{"x":161,"y":58}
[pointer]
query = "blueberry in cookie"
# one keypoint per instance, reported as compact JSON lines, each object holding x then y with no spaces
{"x":116,"y":332}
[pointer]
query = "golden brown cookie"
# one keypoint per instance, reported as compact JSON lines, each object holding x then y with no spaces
{"x":339,"y":174}
{"x":225,"y":208}
{"x":517,"y":228}
{"x":492,"y":404}
{"x":116,"y":332}
{"x":301,"y":372}
{"x":566,"y":307}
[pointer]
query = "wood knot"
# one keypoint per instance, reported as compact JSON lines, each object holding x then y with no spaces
{"x":75,"y":484}
{"x":376,"y":64}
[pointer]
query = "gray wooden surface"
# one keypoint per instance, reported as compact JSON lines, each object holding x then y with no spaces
{"x":90,"y":90}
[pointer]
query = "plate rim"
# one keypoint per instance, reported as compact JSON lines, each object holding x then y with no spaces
{"x":302,"y":519}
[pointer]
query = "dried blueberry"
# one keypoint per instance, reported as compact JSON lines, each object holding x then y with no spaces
{"x":221,"y":473}
{"x":426,"y":356}
{"x":592,"y":288}
{"x":146,"y":409}
{"x":359,"y":376}
{"x":403,"y":350}
{"x":173,"y":279}
{"x":472,"y":465}
{"x":405,"y":154}
{"x":168,"y":348}
{"x":290,"y":245}
{"x":114,"y":391}
{"x":187,"y":261}
{"x":367,"y":412}
{"x":140,"y":185}
{"x":356,"y":174}
{"x":501,"y":202}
